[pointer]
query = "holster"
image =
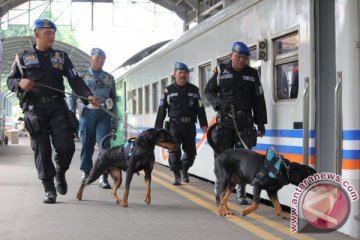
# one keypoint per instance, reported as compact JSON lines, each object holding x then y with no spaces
{"x":32,"y":121}
{"x":243,"y":119}
{"x":250,"y":136}
{"x":74,"y":123}
{"x":167,"y":125}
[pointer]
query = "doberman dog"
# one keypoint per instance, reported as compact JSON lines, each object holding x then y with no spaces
{"x":130,"y":159}
{"x":241,"y":165}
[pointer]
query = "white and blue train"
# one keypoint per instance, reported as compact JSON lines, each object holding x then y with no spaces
{"x":308,"y":55}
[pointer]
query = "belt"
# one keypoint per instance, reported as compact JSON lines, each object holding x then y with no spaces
{"x":184,"y":119}
{"x":44,"y":100}
{"x":90,"y":106}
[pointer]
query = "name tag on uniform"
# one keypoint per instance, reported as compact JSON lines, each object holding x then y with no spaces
{"x":30,"y":59}
{"x":226,"y":76}
{"x":249,"y":78}
{"x":195,"y":95}
{"x":58,"y":60}
{"x":171,"y":95}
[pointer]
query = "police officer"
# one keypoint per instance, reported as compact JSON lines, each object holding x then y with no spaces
{"x":236,"y":94}
{"x":183,"y":103}
{"x":95,"y":123}
{"x":45,"y":110}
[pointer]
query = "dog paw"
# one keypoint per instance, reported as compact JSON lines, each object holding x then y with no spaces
{"x":79,"y":197}
{"x":285,"y":216}
{"x":147,"y":199}
{"x":225,"y":212}
{"x":124,"y":203}
{"x":228,"y":212}
{"x":245,"y":212}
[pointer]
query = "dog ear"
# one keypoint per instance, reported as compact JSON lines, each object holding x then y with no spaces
{"x":150,"y":133}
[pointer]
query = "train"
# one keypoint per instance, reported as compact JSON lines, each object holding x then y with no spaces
{"x":309,"y":73}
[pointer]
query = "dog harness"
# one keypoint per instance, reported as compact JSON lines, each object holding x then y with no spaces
{"x":129,"y":147}
{"x":273,"y":162}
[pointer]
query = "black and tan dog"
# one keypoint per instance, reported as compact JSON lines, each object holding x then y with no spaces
{"x":240,"y":165}
{"x":130,"y":159}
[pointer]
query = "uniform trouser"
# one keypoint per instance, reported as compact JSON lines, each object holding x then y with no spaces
{"x":228,"y":140}
{"x":56,"y":130}
{"x":185,"y":134}
{"x":94,"y":125}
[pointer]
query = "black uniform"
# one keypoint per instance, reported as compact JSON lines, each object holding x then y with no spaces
{"x":184,"y":105}
{"x":45,"y":111}
{"x":243,"y":90}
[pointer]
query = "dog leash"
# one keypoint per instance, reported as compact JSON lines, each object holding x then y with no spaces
{"x":84,"y":98}
{"x":232,"y":115}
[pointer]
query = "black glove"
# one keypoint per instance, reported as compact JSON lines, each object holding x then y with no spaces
{"x":261,"y":129}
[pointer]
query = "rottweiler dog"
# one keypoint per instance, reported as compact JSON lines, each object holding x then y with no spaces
{"x":241,"y":165}
{"x":132,"y":159}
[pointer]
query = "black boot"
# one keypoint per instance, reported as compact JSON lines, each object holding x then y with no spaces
{"x":177,"y":180}
{"x":50,"y":191}
{"x":241,"y":195}
{"x":185,"y":176}
{"x":61,"y":184}
{"x":103,"y":182}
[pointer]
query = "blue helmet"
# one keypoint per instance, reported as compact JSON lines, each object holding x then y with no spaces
{"x":44,"y":23}
{"x":181,"y":66}
{"x":98,"y":51}
{"x":240,"y":48}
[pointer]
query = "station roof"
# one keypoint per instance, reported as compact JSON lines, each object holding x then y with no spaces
{"x":180,"y":7}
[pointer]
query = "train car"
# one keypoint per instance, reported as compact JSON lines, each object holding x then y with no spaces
{"x":309,"y":72}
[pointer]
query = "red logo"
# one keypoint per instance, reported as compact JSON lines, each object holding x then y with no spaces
{"x":326,"y":206}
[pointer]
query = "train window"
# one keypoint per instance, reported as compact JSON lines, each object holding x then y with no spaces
{"x":191,"y":76}
{"x":140,"y":100}
{"x":147,"y":99}
{"x":205,"y":75}
{"x":164,"y":83}
{"x":253,"y":61}
{"x":286,"y":66}
{"x":155,"y":96}
{"x":133,"y":101}
{"x":222,"y":62}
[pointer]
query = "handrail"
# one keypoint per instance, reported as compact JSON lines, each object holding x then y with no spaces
{"x":306,"y":107}
{"x":338,"y":123}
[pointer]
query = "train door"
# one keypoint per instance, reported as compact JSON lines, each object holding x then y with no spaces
{"x":326,"y":126}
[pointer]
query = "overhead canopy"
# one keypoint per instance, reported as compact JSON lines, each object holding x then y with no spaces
{"x":187,"y":10}
{"x":6,"y":5}
{"x":142,"y":54}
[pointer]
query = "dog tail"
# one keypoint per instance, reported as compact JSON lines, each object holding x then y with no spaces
{"x":100,"y":166}
{"x":211,"y":142}
{"x":102,"y":163}
{"x":104,"y":139}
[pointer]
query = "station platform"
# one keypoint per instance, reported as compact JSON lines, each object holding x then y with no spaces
{"x":183,"y":212}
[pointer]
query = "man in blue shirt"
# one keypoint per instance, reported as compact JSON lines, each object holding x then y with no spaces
{"x":95,"y":123}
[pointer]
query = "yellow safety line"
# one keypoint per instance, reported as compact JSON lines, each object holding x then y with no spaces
{"x":277,"y":226}
{"x":242,"y":223}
